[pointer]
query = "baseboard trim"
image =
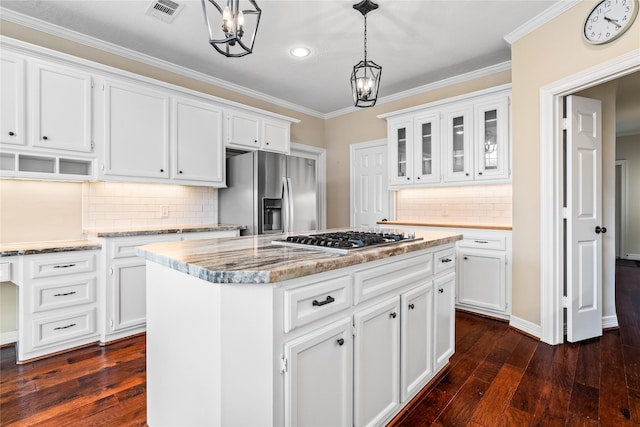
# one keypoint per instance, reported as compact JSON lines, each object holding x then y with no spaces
{"x":610,"y":322}
{"x":9,"y":337}
{"x":635,"y":257}
{"x":525,"y":326}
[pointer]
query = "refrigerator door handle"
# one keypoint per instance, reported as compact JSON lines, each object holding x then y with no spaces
{"x":290,"y":203}
{"x":285,"y":207}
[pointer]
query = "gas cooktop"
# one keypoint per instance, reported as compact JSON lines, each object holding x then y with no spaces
{"x":343,"y":242}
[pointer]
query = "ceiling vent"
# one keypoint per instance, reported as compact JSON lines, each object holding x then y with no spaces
{"x":164,"y":10}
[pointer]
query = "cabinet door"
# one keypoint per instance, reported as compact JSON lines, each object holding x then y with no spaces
{"x":12,"y":130}
{"x":61,"y":108}
{"x":276,"y":136}
{"x":243,"y":130}
{"x":128,"y":294}
{"x":376,"y":362}
{"x":199,"y":152}
{"x":444,"y":328}
{"x":319,"y":382}
{"x":136,"y":131}
{"x":400,"y":152}
{"x":416,"y":339}
{"x":458,"y":150}
{"x":482,"y":279}
{"x":492,"y":139}
{"x":426,"y":153}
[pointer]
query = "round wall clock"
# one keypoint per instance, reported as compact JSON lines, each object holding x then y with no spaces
{"x":609,"y":20}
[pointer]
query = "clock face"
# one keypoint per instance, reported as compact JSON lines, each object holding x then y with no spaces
{"x":609,"y":20}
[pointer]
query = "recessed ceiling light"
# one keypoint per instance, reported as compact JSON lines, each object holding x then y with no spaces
{"x":300,"y":52}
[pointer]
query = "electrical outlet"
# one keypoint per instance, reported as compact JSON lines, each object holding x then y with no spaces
{"x":164,"y":211}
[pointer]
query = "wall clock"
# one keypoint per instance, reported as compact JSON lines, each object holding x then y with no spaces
{"x":609,"y":20}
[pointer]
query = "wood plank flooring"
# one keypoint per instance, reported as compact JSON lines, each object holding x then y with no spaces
{"x":497,"y":377}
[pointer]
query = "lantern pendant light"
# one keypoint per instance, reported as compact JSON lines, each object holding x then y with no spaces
{"x":365,"y":78}
{"x":232,"y":30}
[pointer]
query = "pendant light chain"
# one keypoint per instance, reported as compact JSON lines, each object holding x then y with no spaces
{"x":365,"y":38}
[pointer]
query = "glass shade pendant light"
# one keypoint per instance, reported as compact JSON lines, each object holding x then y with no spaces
{"x":365,"y":78}
{"x":232,"y":30}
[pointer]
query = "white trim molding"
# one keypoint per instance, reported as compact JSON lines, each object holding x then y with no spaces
{"x":538,"y":21}
{"x":610,"y":322}
{"x":8,"y":337}
{"x":525,"y":326}
{"x":551,"y":184}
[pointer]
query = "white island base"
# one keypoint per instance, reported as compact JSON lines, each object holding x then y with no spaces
{"x":344,"y":347}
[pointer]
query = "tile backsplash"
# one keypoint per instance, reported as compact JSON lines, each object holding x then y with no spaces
{"x":477,"y":204}
{"x":109,"y":204}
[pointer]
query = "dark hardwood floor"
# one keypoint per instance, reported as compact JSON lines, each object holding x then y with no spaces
{"x":497,"y":377}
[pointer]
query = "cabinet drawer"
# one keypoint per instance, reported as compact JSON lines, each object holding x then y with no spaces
{"x":50,"y":296}
{"x":444,"y":260}
{"x":384,"y":278}
{"x":484,"y":242}
{"x":313,"y":302}
{"x":61,"y":264}
{"x":56,"y":329}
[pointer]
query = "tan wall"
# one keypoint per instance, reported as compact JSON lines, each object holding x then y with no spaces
{"x":363,"y":125}
{"x":548,"y":54}
{"x":628,"y":148}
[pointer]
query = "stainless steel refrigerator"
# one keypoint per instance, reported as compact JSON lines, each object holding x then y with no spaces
{"x":269,"y":193}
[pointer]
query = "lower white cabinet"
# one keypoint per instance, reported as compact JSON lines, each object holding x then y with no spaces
{"x":444,"y":328}
{"x":58,"y":294}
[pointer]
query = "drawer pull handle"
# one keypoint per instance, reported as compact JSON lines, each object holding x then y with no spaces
{"x":446,"y":260}
{"x":481,"y":241}
{"x":392,"y":315}
{"x":340,"y":341}
{"x":329,"y":300}
{"x":64,"y":266}
{"x":64,"y":294}
{"x":65,"y":327}
{"x":411,"y":306}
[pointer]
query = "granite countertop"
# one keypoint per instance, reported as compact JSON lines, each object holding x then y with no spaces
{"x":142,"y":231}
{"x":253,"y":259}
{"x":32,"y":248}
{"x":446,"y":225}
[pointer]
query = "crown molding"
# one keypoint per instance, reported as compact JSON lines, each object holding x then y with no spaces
{"x":74,"y":36}
{"x":542,"y":18}
{"x":461,"y":78}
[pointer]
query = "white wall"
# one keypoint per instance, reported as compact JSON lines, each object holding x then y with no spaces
{"x":628,"y":148}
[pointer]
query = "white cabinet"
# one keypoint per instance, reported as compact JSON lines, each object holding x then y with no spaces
{"x":451,"y":142}
{"x":61,"y":108}
{"x":319,"y":387}
{"x":198,"y":151}
{"x":254,"y":132}
{"x":136,"y":126}
{"x":58,"y":296}
{"x":416,"y":339}
{"x":444,"y":328}
{"x":376,"y":362}
{"x":12,"y":105}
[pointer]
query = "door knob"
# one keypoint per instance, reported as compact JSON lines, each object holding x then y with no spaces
{"x":600,"y":229}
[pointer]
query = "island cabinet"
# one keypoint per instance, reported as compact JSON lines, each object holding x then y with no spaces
{"x":346,"y":347}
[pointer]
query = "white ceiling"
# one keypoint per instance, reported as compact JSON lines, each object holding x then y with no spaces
{"x":416,"y":42}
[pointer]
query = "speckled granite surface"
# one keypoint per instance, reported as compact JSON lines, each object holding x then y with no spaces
{"x":253,"y":259}
{"x":143,"y":231}
{"x":32,"y":248}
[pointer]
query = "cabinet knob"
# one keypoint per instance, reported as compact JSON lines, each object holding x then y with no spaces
{"x":11,"y":134}
{"x":340,"y":341}
{"x":411,"y":306}
{"x":392,"y":315}
{"x":180,"y":172}
{"x":255,"y":141}
{"x":418,"y":178}
{"x":479,"y":173}
{"x":267,"y":143}
{"x":464,"y":258}
{"x":161,"y":170}
{"x":466,"y":174}
{"x":408,"y":178}
{"x":441,"y":290}
{"x":45,"y":137}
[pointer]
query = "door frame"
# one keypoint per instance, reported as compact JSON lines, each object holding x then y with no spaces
{"x":551,"y":185}
{"x":352,"y":181}
{"x":622,"y":243}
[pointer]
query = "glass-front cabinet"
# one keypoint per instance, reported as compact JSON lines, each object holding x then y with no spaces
{"x":492,"y":139}
{"x":458,"y":150}
{"x":400,"y":150}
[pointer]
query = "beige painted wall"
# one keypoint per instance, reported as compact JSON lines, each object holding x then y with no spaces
{"x":628,"y":148}
{"x":546,"y":55}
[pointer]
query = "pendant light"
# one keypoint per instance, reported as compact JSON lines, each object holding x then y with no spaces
{"x":232,"y":30}
{"x":365,"y":78}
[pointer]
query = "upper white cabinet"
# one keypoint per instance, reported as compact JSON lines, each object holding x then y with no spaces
{"x":198,"y":151}
{"x":12,"y":105}
{"x":136,"y":126}
{"x":255,"y":132}
{"x":455,"y":142}
{"x":61,"y":108}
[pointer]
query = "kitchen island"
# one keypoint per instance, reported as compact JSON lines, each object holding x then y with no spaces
{"x":244,"y":332}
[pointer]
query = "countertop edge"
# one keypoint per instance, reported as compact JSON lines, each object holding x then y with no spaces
{"x":161,"y":230}
{"x":442,"y":225}
{"x":55,"y":247}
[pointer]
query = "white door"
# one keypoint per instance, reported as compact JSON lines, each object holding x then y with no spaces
{"x":584,"y":216}
{"x":369,"y":191}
